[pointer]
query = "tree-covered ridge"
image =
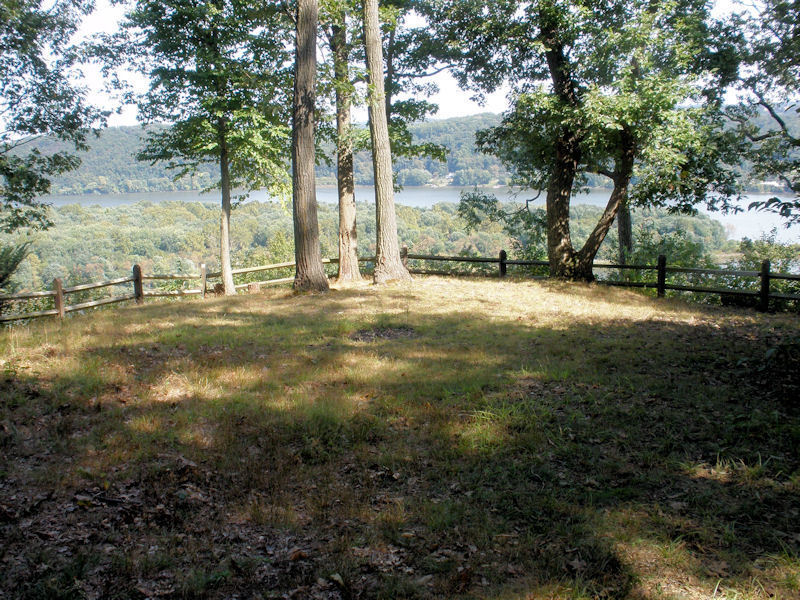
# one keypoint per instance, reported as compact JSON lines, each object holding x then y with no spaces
{"x":109,"y":166}
{"x":464,"y":164}
{"x":91,"y":243}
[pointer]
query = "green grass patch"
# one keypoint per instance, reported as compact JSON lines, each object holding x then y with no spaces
{"x":449,"y":439}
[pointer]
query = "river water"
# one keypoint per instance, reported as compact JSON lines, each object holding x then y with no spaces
{"x":750,"y":224}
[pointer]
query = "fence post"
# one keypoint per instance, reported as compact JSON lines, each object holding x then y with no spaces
{"x":203,"y":278}
{"x":138,"y":289}
{"x":662,"y":275}
{"x":58,"y":288}
{"x":763,"y":304}
{"x":404,"y":255}
{"x":503,"y":266}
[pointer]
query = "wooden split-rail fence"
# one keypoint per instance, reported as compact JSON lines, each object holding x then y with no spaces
{"x":759,"y":298}
{"x":136,"y":282}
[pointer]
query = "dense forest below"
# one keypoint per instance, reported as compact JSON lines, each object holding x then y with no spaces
{"x":92,"y":243}
{"x":110,"y":166}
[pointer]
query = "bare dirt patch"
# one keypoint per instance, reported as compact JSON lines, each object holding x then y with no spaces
{"x":383,"y":333}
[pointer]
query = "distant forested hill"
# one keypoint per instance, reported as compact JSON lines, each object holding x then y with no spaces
{"x":110,"y":165}
{"x":464,"y":166}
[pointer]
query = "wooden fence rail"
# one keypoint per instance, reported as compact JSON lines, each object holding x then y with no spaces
{"x":59,"y":292}
{"x":765,"y":276}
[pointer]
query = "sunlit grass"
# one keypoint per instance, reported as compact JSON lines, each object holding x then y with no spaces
{"x":452,"y":438}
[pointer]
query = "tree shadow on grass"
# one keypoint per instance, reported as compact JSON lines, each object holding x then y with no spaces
{"x":235,"y":451}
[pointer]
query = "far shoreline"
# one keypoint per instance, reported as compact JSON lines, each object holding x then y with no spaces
{"x":750,"y":224}
{"x":760,"y":191}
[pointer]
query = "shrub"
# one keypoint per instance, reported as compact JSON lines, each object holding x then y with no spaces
{"x":10,"y":259}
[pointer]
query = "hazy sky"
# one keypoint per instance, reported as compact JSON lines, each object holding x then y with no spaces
{"x":452,"y":101}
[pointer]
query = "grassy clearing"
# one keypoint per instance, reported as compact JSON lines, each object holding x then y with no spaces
{"x":475,"y":439}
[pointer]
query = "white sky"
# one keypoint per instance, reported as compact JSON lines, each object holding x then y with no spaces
{"x":452,"y":101}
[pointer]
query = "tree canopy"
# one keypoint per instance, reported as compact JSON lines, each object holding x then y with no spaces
{"x":411,"y":56}
{"x":208,"y":61}
{"x":771,"y":83}
{"x":219,"y":74}
{"x":628,"y":90}
{"x":38,"y":98}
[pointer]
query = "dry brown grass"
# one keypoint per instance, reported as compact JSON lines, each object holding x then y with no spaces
{"x":450,"y":438}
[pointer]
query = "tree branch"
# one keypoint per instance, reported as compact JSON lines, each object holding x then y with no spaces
{"x":601,"y":171}
{"x":777,"y":118}
{"x":289,"y":11}
{"x":750,"y":136}
{"x":426,"y":74}
{"x":528,"y":202}
{"x":762,"y":137}
{"x":9,"y":146}
{"x":795,"y":187}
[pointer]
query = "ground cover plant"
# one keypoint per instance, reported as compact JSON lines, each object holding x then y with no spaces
{"x":447,"y":439}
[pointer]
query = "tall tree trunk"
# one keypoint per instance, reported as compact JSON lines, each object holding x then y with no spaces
{"x":388,"y":265}
{"x":348,"y":238}
{"x":564,"y":261}
{"x":560,"y":253}
{"x":624,"y":226}
{"x":309,"y":273}
{"x":225,"y":217}
{"x":624,"y":231}
{"x":585,"y":257}
{"x":623,"y":171}
{"x":388,"y":81}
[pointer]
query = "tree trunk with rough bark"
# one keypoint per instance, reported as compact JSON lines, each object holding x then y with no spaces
{"x":309,"y":273}
{"x":624,"y":231}
{"x":388,"y":81}
{"x":225,"y":217}
{"x":388,"y":264}
{"x":565,"y":261}
{"x":623,"y":171}
{"x":348,"y":237}
{"x":585,"y":257}
{"x":560,"y":252}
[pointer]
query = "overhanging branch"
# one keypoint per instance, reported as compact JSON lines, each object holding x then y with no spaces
{"x":777,"y":118}
{"x":425,"y":74}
